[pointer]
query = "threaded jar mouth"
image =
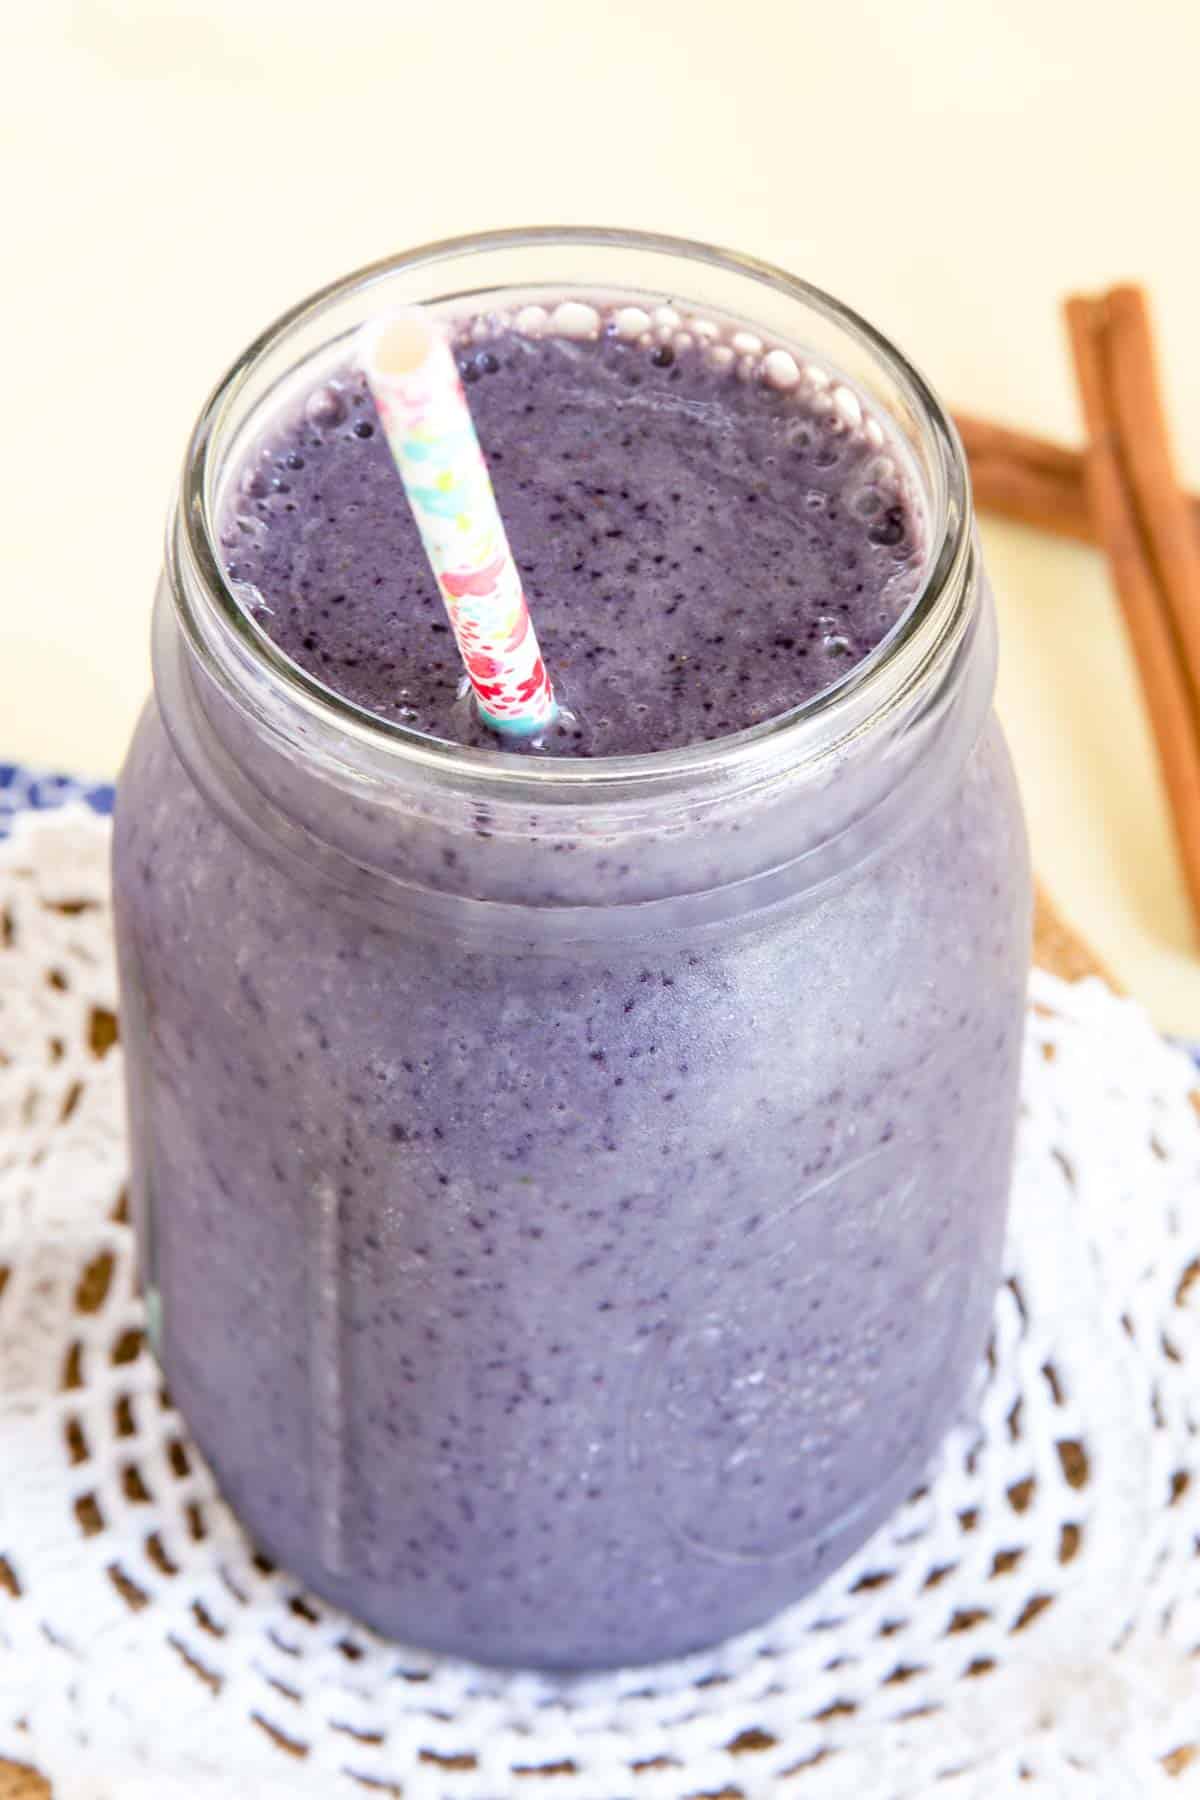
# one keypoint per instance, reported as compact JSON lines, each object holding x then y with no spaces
{"x":261,"y":679}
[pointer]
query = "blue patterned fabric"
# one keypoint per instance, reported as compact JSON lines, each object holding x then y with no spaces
{"x":37,"y":790}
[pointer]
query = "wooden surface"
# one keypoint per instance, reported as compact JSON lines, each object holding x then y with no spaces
{"x":20,"y":1783}
{"x":1056,"y":947}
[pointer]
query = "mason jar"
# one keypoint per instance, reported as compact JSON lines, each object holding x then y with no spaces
{"x":570,"y":1192}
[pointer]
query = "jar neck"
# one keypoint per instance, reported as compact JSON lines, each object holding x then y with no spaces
{"x":717,"y":828}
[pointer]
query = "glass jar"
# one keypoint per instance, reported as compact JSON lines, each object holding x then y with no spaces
{"x":570,"y":1193}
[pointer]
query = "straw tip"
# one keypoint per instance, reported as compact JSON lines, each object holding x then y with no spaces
{"x":520,"y":726}
{"x":399,"y":343}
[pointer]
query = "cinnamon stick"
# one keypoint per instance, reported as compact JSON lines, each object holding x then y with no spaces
{"x":983,"y":438}
{"x":1145,"y":449}
{"x":1029,"y":496}
{"x":1143,"y":600}
{"x":1032,"y":480}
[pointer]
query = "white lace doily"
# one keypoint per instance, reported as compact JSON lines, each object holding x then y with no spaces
{"x":1029,"y":1625}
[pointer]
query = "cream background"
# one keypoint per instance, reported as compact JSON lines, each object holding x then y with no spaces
{"x":172,"y":175}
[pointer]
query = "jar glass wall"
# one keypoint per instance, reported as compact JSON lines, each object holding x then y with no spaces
{"x":571,"y":1193}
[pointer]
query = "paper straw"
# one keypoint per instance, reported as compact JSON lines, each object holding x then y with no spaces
{"x":410,"y":367}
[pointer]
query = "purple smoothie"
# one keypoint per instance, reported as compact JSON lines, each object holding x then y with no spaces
{"x":700,"y":552}
{"x":569,"y":1240}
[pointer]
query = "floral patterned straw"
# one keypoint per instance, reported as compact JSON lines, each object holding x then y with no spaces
{"x":420,"y":400}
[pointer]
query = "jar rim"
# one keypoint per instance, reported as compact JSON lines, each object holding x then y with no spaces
{"x":214,"y":621}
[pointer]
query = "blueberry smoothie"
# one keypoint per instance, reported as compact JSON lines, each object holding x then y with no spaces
{"x":701,"y":551}
{"x":571,"y":1188}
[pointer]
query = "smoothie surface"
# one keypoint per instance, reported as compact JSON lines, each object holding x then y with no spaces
{"x":705,"y":539}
